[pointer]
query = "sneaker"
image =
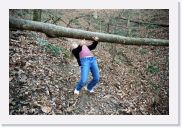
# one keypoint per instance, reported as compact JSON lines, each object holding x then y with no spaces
{"x":91,"y":91}
{"x":86,"y":89}
{"x":76,"y":92}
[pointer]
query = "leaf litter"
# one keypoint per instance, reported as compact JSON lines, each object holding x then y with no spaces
{"x":42,"y":83}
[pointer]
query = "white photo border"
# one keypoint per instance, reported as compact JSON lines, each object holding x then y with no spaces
{"x":171,"y":119}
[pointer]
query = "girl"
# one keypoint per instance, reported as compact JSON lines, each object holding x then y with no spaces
{"x":87,"y":63}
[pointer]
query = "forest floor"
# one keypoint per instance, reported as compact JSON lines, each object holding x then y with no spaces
{"x":133,"y":79}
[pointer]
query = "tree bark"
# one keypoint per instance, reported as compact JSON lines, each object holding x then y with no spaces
{"x":58,"y":31}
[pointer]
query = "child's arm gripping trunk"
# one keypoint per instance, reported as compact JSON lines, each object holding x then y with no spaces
{"x":93,"y":45}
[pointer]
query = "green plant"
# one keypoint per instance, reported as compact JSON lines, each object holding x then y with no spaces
{"x":42,"y":42}
{"x":151,"y":26}
{"x":152,"y":68}
{"x":131,"y":71}
{"x":49,"y":48}
{"x":66,"y":53}
{"x":155,"y":87}
{"x":142,"y":51}
{"x":55,"y":50}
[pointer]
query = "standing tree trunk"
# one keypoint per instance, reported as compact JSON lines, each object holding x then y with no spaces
{"x":37,"y":14}
{"x":108,"y":27}
{"x":129,"y":27}
{"x":95,"y":14}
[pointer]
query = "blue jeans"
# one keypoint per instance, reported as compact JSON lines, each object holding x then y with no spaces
{"x":87,"y":65}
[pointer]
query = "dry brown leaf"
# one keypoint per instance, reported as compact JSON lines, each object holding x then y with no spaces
{"x":46,"y":109}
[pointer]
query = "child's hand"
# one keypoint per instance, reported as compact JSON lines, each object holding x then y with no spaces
{"x":83,"y":42}
{"x":95,"y":38}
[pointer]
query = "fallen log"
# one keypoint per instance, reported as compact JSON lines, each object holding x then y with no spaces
{"x":59,"y":31}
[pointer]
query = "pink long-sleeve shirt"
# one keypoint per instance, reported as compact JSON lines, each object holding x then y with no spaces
{"x":85,"y":52}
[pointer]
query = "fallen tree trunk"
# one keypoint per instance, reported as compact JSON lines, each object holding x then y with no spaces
{"x":58,"y":31}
